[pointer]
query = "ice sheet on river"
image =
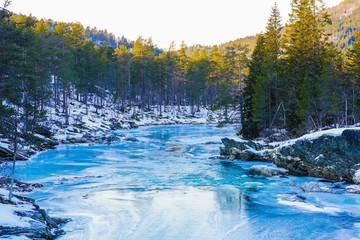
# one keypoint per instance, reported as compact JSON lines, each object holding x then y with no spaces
{"x":166,"y":187}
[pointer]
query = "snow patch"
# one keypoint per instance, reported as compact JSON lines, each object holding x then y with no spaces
{"x":310,"y":207}
{"x":9,"y":218}
{"x":356,"y":177}
{"x":353,"y":189}
{"x":312,"y":136}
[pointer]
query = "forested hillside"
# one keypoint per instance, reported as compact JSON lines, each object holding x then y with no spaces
{"x":345,"y":22}
{"x":250,"y":41}
{"x":98,"y":37}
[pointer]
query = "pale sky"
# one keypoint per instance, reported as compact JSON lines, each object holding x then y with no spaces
{"x":205,"y":22}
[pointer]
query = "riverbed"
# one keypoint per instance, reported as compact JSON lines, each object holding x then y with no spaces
{"x":167,"y":183}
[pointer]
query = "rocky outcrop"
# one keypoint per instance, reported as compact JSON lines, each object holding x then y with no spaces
{"x":120,"y":124}
{"x":335,"y":157}
{"x":27,"y":218}
{"x":8,"y":155}
{"x":244,"y":150}
{"x":40,"y":225}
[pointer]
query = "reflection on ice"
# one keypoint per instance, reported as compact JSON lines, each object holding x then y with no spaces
{"x":181,"y":213}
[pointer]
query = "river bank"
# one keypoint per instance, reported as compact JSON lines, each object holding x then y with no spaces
{"x":22,"y":218}
{"x":90,"y":124}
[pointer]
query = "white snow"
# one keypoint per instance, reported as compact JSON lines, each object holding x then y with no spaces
{"x":269,"y":170}
{"x":312,"y":136}
{"x":9,"y":218}
{"x":98,"y":121}
{"x":310,"y":207}
{"x":353,"y":189}
{"x":7,"y":212}
{"x":356,"y":177}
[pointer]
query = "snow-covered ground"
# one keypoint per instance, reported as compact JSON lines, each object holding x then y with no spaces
{"x":92,"y":123}
{"x":100,"y":120}
{"x":311,"y":136}
{"x":7,"y":212}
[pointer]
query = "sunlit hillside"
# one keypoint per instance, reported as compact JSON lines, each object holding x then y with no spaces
{"x":345,"y":21}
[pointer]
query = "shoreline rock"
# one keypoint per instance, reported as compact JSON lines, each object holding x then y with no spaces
{"x":335,"y":157}
{"x":27,"y":218}
{"x":267,"y":171}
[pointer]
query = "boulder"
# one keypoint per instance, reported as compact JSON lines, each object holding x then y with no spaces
{"x":353,"y":189}
{"x":268,"y":171}
{"x":276,"y":137}
{"x":18,"y":185}
{"x":244,"y":150}
{"x":314,"y":187}
{"x":131,"y":139}
{"x":44,"y":131}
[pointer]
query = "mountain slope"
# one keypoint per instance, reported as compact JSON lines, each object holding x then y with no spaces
{"x":345,"y":22}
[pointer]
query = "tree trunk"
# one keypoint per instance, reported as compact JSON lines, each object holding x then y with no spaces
{"x":14,"y":163}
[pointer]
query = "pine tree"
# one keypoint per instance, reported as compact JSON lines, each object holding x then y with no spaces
{"x":123,"y":57}
{"x":305,"y":45}
{"x":183,"y":62}
{"x":352,"y":68}
{"x":248,"y":121}
{"x":263,"y":83}
{"x":272,"y":61}
{"x":21,"y":79}
{"x":353,"y":63}
{"x":216,"y":72}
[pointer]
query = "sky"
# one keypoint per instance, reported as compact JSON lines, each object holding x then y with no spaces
{"x":205,"y":22}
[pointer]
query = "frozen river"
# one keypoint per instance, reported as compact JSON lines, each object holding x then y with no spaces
{"x":167,"y":186}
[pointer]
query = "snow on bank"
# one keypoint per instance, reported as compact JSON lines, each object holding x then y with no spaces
{"x":99,"y":121}
{"x":275,"y":146}
{"x":312,"y":136}
{"x":8,"y":216}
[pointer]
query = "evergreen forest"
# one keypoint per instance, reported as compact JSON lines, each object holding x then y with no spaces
{"x":294,"y":77}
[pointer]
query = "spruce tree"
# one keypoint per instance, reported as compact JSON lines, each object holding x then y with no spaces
{"x":353,"y":81}
{"x":273,"y":66}
{"x":305,"y":45}
{"x":248,"y":121}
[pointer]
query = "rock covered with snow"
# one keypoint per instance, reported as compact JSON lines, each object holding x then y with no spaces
{"x":244,"y":150}
{"x":268,"y":171}
{"x":332,"y":154}
{"x":314,"y":187}
{"x":353,"y":189}
{"x":23,"y":218}
{"x":356,"y":177}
